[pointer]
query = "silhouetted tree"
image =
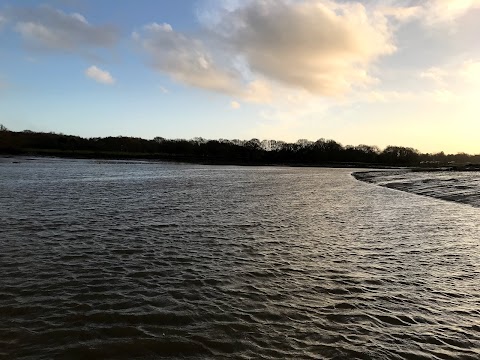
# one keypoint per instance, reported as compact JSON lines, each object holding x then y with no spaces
{"x":222,"y":151}
{"x":399,"y":155}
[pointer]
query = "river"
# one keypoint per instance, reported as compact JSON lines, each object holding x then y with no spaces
{"x":124,"y":259}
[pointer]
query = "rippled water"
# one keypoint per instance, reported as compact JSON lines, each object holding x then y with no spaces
{"x":149,"y":260}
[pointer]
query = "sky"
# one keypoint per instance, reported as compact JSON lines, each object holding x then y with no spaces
{"x":376,"y":72}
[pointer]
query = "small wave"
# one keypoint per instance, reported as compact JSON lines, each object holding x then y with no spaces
{"x":185,"y":262}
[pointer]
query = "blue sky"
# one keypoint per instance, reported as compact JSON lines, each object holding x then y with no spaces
{"x":390,"y":72}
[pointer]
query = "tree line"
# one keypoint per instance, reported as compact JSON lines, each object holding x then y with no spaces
{"x":222,"y":151}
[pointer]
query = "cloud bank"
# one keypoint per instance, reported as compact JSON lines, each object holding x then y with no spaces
{"x":323,"y":47}
{"x":255,"y":51}
{"x":99,"y":75}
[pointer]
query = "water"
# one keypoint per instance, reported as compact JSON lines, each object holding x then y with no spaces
{"x":122,"y":260}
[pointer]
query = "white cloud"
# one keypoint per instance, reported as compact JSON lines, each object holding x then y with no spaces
{"x":159,"y":27}
{"x":99,"y":75}
{"x":452,"y":83}
{"x":429,"y":12}
{"x":235,"y":105}
{"x":441,"y":11}
{"x":46,"y":28}
{"x":3,"y":21}
{"x":401,"y":13}
{"x":321,"y":46}
{"x":324,"y":47}
{"x":80,"y":18}
{"x":184,"y":58}
{"x":456,"y":75}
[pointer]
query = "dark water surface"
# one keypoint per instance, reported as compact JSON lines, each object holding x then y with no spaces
{"x":122,"y":260}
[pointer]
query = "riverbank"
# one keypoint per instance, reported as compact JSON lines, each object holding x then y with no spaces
{"x":459,"y":184}
{"x":91,"y":155}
